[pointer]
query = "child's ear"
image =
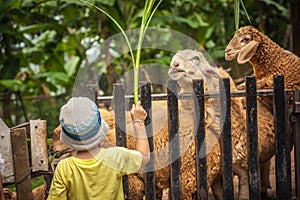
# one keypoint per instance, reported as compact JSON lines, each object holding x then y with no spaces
{"x":247,"y":52}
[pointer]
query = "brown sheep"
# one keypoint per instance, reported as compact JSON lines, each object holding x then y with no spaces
{"x":187,"y":65}
{"x":266,"y":57}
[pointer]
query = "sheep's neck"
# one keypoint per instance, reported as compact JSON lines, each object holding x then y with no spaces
{"x":263,"y":62}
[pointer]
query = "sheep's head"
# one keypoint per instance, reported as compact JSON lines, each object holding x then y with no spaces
{"x":187,"y":65}
{"x":243,"y":44}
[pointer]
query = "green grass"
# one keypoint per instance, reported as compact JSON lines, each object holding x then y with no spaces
{"x":36,"y":182}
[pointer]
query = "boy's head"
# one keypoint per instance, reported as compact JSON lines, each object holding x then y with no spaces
{"x":81,"y":124}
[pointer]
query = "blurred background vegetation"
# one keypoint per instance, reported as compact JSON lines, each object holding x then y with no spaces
{"x":44,"y":43}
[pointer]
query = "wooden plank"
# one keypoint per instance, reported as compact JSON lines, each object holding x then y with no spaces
{"x":21,"y":162}
{"x":201,"y":166}
{"x":297,"y":141}
{"x":119,"y":107}
{"x":38,"y":140}
{"x":1,"y":188}
{"x":23,"y":125}
{"x":226,"y":143}
{"x":251,"y":118}
{"x":174,"y":142}
{"x":283,"y":187}
{"x":150,"y":166}
{"x":6,"y":152}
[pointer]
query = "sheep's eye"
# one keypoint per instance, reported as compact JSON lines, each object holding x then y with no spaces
{"x":245,"y":39}
{"x":196,"y":58}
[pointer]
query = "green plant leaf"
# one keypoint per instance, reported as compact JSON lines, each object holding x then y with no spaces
{"x":71,"y":66}
{"x":13,"y":85}
{"x":236,"y":14}
{"x":106,"y":2}
{"x":245,"y":10}
{"x":56,"y":76}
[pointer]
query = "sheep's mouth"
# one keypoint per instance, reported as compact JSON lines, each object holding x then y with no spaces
{"x":174,"y":71}
{"x":231,"y":55}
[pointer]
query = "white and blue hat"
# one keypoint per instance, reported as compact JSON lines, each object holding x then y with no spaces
{"x":81,"y":124}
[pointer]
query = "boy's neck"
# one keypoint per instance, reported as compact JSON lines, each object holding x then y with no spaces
{"x":88,"y":154}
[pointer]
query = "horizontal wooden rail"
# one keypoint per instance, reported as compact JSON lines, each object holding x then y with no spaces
{"x":158,"y":97}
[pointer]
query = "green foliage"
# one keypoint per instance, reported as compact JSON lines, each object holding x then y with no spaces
{"x":44,"y":43}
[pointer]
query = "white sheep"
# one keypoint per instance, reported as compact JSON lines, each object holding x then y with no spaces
{"x":187,"y":65}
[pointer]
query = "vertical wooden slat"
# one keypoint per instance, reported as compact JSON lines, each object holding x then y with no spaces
{"x":226,"y":138}
{"x":200,"y":142}
{"x":283,"y":188}
{"x":297,"y":141}
{"x":119,"y":107}
{"x":174,"y":139}
{"x":1,"y":188}
{"x":288,"y":129}
{"x":251,"y":118}
{"x":150,"y":168}
{"x":38,"y":140}
{"x":6,"y":152}
{"x":21,"y":163}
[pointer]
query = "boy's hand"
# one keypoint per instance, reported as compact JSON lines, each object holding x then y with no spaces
{"x":137,"y":112}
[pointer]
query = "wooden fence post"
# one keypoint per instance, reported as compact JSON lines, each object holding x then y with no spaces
{"x":226,"y":144}
{"x":251,"y":114}
{"x":5,"y":150}
{"x":198,"y":96}
{"x":21,"y":162}
{"x":38,"y":140}
{"x":282,"y":168}
{"x":1,"y":188}
{"x":150,"y":166}
{"x":174,"y":140}
{"x":119,"y":105}
{"x":297,"y":141}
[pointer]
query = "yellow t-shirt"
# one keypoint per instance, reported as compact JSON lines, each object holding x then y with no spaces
{"x":97,"y":178}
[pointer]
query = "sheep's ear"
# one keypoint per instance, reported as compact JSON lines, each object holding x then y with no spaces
{"x":247,"y":52}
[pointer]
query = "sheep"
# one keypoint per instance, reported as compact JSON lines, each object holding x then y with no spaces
{"x":187,"y":65}
{"x":266,"y":57}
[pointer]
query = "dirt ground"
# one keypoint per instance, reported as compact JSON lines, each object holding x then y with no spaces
{"x":271,"y":191}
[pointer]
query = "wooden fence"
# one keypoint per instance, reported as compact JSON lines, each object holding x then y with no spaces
{"x":21,"y":165}
{"x":283,"y":116}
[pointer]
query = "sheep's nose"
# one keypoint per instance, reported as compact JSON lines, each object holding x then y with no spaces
{"x":174,"y":65}
{"x":227,"y":50}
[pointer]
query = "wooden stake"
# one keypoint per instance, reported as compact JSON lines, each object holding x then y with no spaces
{"x":21,"y":162}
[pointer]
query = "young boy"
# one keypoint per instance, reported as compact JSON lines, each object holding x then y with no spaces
{"x":95,"y":172}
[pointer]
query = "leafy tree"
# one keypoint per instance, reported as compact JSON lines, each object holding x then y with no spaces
{"x":43,"y":44}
